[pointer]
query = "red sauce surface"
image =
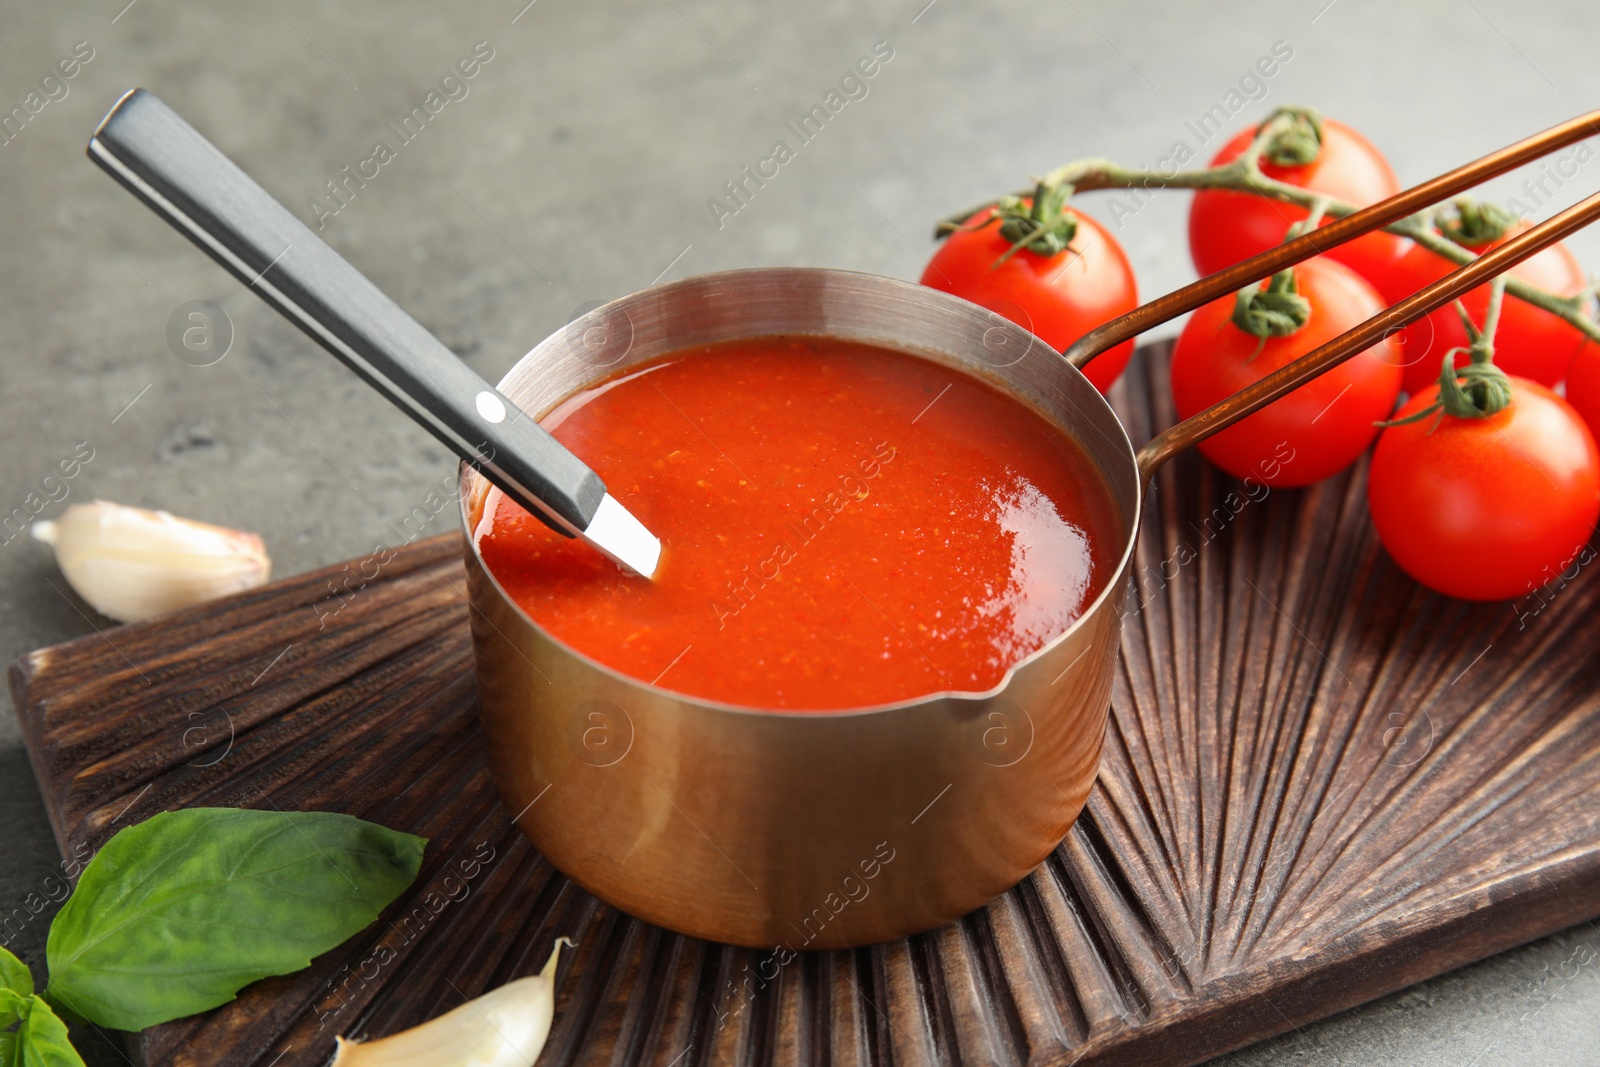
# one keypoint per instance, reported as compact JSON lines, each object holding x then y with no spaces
{"x":842,"y":525}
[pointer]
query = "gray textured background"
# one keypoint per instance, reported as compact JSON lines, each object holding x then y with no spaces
{"x":581,"y":161}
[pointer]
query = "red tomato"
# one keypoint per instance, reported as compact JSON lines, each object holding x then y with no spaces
{"x":1529,"y":342}
{"x":1226,"y":227}
{"x":1321,"y":427}
{"x":1491,"y":508}
{"x":1060,"y":298}
{"x":1583,"y":386}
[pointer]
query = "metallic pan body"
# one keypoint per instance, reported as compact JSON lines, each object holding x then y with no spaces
{"x":776,"y":829}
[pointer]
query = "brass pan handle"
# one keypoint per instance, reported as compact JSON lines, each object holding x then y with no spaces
{"x":1287,"y":379}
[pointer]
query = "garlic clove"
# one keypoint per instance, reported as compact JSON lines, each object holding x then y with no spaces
{"x":505,"y":1027}
{"x":130,"y":563}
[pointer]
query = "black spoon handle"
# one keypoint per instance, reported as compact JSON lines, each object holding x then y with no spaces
{"x":165,"y":162}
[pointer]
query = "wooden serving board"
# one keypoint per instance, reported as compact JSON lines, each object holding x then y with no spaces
{"x":1321,"y":784}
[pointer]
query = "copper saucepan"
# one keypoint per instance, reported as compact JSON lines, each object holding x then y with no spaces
{"x":783,"y":830}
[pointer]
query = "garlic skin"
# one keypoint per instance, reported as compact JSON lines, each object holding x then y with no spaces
{"x":505,"y":1027}
{"x":130,"y":563}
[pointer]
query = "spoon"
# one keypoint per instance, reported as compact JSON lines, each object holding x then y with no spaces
{"x":183,"y":177}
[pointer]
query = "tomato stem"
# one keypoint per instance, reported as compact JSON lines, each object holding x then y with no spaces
{"x":1474,"y":224}
{"x":1277,"y":310}
{"x":1294,"y":136}
{"x":1319,"y":209}
{"x":1479,"y":388}
{"x":1491,"y":315}
{"x":1042,"y":224}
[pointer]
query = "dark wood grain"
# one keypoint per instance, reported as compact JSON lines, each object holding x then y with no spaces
{"x":1321,"y":784}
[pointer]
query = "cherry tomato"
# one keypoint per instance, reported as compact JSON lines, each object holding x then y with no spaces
{"x":1226,"y":227}
{"x":1490,"y":508}
{"x":1059,"y":298}
{"x":1321,"y":427}
{"x":1583,"y":386}
{"x":1530,"y":342}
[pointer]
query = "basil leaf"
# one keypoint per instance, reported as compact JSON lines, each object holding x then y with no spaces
{"x":13,"y":1006}
{"x":175,"y":915}
{"x":14,"y":975}
{"x":42,"y":1040}
{"x":16,"y":989}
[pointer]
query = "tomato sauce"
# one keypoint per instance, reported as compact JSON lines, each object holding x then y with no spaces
{"x":842,"y":525}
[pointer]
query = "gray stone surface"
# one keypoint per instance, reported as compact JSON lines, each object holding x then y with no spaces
{"x":578,"y":169}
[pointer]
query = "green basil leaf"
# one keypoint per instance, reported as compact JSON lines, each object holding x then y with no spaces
{"x":42,"y":1040}
{"x":8,"y":1049}
{"x":175,"y":915}
{"x":14,"y":974}
{"x":13,"y":1006}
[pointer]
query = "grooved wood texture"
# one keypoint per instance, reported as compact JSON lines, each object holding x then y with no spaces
{"x":1321,"y":783}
